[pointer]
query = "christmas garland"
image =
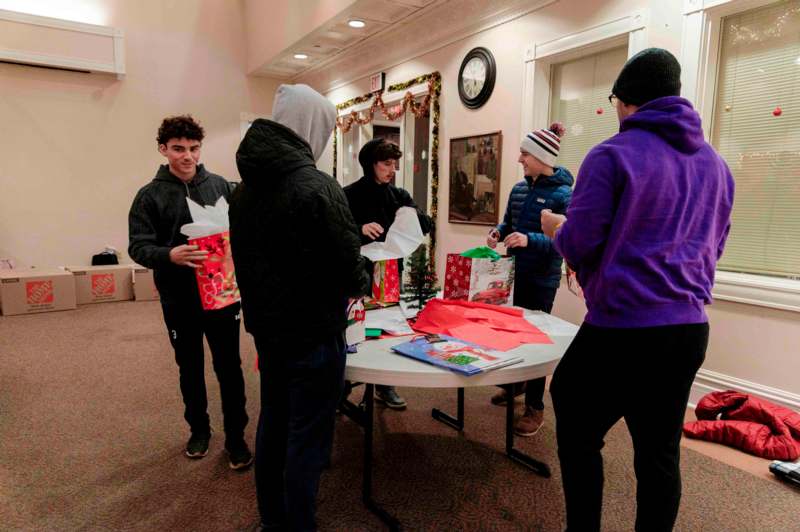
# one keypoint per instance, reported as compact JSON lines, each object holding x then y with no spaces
{"x":345,"y":123}
{"x":431,"y":100}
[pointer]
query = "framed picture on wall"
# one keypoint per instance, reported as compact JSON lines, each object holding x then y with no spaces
{"x":475,"y":179}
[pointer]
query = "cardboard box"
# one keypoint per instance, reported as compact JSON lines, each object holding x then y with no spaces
{"x":144,"y":287}
{"x":100,"y":284}
{"x":30,"y":291}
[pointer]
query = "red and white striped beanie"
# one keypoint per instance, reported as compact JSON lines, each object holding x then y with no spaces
{"x":544,"y":144}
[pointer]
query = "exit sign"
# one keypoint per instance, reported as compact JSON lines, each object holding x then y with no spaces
{"x":376,"y":82}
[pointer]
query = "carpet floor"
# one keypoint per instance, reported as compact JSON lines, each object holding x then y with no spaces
{"x":91,"y":438}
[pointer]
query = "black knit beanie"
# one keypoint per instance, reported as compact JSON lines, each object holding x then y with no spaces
{"x":650,"y":74}
{"x":366,"y":156}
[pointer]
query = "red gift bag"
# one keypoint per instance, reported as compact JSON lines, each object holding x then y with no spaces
{"x":479,"y":280}
{"x":216,"y":279}
{"x":386,"y":281}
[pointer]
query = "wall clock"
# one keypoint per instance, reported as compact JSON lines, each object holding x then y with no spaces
{"x":476,"y":77}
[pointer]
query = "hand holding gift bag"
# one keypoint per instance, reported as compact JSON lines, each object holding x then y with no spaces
{"x":216,"y":279}
{"x":481,"y":275}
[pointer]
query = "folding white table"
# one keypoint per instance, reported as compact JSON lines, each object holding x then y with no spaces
{"x":375,"y":363}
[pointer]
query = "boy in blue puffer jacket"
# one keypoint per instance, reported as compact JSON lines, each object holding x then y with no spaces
{"x":537,"y":263}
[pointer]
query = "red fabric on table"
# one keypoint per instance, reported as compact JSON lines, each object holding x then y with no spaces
{"x":492,"y":326}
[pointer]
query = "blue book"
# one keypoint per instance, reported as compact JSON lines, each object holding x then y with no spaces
{"x":456,"y":355}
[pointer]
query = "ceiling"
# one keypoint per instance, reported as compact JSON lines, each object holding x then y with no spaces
{"x":335,"y":36}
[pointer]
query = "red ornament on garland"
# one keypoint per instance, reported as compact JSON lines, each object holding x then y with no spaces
{"x":600,"y":111}
{"x":777,"y":112}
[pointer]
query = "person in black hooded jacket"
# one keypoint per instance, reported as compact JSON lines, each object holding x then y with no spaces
{"x":297,"y":256}
{"x":374,"y":202}
{"x":373,"y":199}
{"x":155,"y":241}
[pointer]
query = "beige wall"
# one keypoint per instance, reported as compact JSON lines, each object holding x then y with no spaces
{"x":748,"y":342}
{"x":274,"y":26}
{"x":754,"y":344}
{"x":76,"y":147}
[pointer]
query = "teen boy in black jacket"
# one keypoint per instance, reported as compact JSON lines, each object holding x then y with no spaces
{"x":155,"y":241}
{"x":374,"y":202}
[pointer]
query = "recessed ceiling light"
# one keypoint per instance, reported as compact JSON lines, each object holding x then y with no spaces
{"x":301,"y":56}
{"x":355,"y":23}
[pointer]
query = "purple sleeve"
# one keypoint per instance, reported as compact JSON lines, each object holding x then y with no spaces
{"x":583,"y":236}
{"x":725,"y":232}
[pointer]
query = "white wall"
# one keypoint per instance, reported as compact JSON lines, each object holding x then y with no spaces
{"x":76,"y":147}
{"x":750,"y":345}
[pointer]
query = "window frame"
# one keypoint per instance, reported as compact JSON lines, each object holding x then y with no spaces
{"x":701,"y":44}
{"x":606,"y":46}
{"x":541,"y":56}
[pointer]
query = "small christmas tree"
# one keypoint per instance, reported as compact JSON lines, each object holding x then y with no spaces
{"x":422,"y":279}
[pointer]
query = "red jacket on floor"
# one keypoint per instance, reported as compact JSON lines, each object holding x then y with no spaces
{"x":747,"y":423}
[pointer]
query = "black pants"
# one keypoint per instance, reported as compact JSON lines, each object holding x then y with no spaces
{"x":300,"y":390}
{"x":186,"y":328}
{"x":534,"y":297}
{"x":644,"y":376}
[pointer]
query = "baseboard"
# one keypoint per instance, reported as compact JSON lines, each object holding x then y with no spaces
{"x":710,"y":381}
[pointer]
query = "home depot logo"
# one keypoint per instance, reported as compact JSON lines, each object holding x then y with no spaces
{"x":39,"y":292}
{"x":103,"y":285}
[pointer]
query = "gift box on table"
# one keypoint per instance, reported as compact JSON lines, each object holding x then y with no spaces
{"x":216,"y":279}
{"x":481,"y":275}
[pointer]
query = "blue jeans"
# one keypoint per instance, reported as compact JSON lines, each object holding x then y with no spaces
{"x":300,"y":390}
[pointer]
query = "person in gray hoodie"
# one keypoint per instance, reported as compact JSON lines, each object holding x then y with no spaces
{"x":296,"y":249}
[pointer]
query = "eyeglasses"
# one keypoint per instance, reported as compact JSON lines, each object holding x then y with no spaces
{"x":612,"y":99}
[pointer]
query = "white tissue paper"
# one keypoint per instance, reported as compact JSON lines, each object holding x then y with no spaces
{"x":207,"y":220}
{"x":402,"y":238}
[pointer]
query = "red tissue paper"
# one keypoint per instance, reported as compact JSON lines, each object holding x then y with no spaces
{"x":492,"y":326}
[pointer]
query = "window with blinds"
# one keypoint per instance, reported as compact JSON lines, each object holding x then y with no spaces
{"x":579,"y":100}
{"x":756,"y":128}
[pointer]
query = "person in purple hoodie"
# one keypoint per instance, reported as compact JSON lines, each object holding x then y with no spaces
{"x":647,"y":223}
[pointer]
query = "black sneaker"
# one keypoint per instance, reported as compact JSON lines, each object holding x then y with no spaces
{"x":197,"y":446}
{"x":389,"y":397}
{"x":239,"y":456}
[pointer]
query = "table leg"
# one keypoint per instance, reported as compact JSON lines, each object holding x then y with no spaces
{"x":447,"y":419}
{"x":540,"y":468}
{"x":368,"y":425}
